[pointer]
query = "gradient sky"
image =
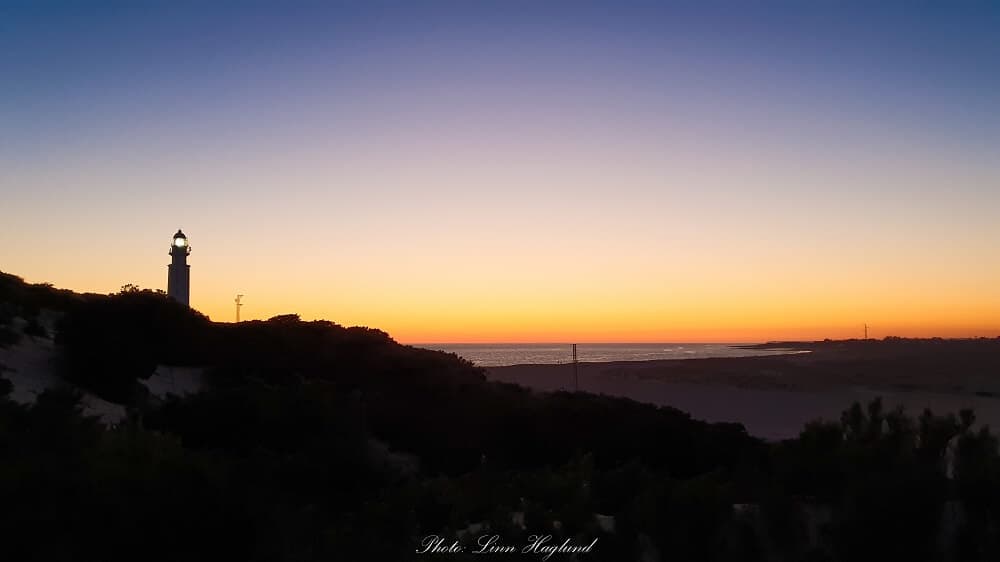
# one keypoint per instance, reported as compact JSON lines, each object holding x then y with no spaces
{"x":516,"y":170}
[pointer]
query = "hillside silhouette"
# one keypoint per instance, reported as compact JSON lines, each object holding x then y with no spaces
{"x":314,"y":441}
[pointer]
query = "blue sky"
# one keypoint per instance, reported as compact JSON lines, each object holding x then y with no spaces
{"x":512,"y":136}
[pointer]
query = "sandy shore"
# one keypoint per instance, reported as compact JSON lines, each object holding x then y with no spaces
{"x":775,"y":396}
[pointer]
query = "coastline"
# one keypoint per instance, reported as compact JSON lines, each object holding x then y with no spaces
{"x":775,"y":396}
{"x":508,"y":354}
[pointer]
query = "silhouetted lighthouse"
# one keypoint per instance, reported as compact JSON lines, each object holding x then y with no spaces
{"x":179,"y":272}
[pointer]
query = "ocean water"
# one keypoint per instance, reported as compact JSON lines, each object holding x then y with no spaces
{"x":499,"y":354}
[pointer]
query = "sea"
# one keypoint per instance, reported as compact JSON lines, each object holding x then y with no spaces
{"x":500,"y":354}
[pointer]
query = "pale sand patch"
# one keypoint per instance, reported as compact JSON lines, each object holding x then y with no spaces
{"x":31,"y":369}
{"x":179,"y":381}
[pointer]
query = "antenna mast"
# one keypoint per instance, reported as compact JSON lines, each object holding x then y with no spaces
{"x":238,"y":305}
{"x":866,"y":330}
{"x":576,"y":370}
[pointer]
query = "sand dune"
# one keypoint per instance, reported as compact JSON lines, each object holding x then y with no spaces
{"x":31,"y":369}
{"x":774,"y":397}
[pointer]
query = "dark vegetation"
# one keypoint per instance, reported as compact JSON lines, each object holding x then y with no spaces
{"x":319,"y":442}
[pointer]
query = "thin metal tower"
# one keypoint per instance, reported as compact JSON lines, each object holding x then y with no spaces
{"x":576,"y":370}
{"x":238,"y":305}
{"x":866,"y":330}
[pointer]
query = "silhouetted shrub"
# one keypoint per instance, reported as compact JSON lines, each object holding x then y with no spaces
{"x":8,"y":336}
{"x":34,"y":328}
{"x":109,"y":342}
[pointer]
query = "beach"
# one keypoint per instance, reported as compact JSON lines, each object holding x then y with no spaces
{"x":775,"y":396}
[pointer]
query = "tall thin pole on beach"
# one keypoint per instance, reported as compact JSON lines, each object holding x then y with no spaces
{"x":576,"y":370}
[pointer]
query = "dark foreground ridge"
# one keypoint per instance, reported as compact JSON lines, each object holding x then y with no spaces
{"x":312,"y":441}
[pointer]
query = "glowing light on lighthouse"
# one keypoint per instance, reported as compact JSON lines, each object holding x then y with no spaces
{"x":179,"y":272}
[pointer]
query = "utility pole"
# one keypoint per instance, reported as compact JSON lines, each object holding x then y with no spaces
{"x":866,"y":330}
{"x":238,"y":305}
{"x":576,"y":370}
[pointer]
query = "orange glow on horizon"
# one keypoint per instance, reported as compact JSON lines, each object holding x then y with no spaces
{"x":696,"y":314}
{"x":649,"y":177}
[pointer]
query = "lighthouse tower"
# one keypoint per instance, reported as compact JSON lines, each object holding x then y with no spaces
{"x":179,"y":272}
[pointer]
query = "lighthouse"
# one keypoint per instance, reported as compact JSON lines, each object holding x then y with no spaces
{"x":179,"y":272}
